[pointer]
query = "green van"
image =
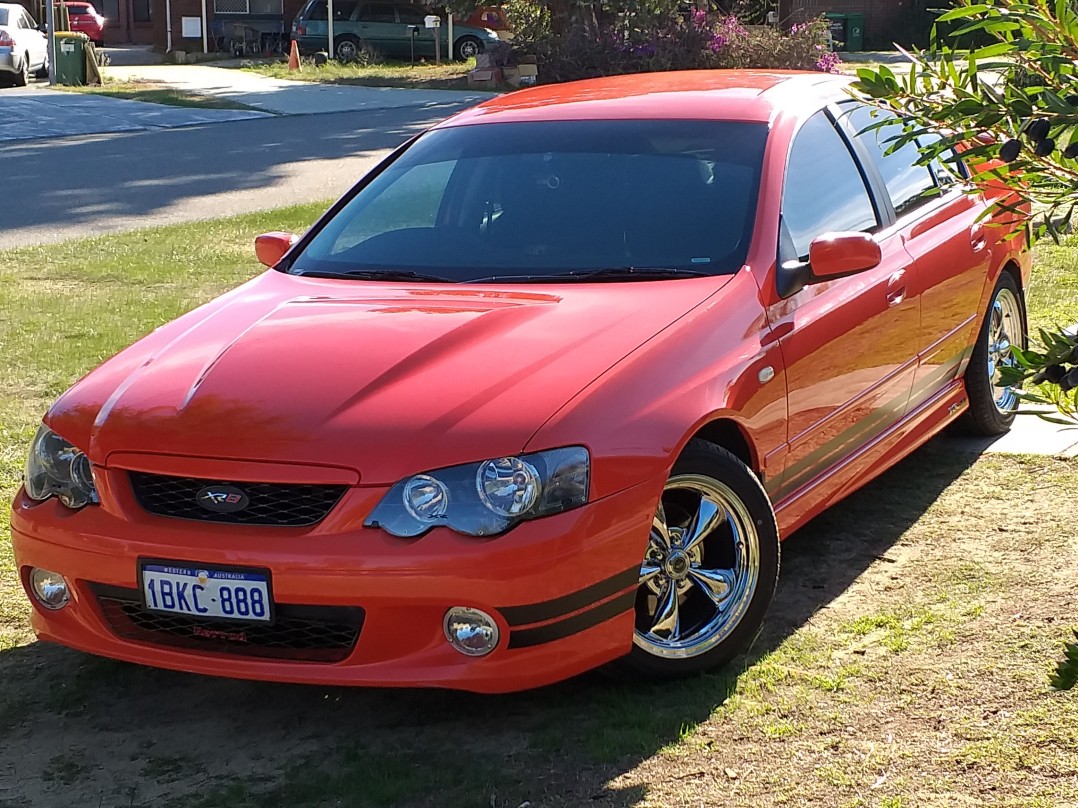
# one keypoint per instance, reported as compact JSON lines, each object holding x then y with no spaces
{"x":387,"y":27}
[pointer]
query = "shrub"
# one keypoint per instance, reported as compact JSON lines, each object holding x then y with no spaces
{"x":676,"y":42}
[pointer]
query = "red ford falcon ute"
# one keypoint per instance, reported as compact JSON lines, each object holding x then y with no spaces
{"x":542,"y":392}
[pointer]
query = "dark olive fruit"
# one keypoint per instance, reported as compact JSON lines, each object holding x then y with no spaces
{"x":1042,"y":148}
{"x":1037,"y":129}
{"x":1071,"y":151}
{"x":1070,"y":381}
{"x":1052,"y":373}
{"x":1010,"y":150}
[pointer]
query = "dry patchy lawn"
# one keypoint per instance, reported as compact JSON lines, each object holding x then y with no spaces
{"x":904,"y":663}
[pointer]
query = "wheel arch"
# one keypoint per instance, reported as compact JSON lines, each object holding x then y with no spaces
{"x":728,"y":434}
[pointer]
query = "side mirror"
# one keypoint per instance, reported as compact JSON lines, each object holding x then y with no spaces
{"x":832,"y":255}
{"x":836,"y":255}
{"x":271,"y":247}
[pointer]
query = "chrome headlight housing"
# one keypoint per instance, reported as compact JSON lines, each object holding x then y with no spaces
{"x":55,"y":468}
{"x":487,"y":498}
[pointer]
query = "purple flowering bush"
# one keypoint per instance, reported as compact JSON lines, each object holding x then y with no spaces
{"x":698,"y":40}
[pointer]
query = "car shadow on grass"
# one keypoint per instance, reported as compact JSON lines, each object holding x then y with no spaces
{"x":117,"y":731}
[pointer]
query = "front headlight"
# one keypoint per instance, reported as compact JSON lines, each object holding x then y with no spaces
{"x":56,"y":468}
{"x":484,"y":499}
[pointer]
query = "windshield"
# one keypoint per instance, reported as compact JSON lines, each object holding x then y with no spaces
{"x":536,"y":201}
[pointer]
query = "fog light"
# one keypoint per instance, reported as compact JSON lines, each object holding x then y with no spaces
{"x":49,"y":588}
{"x":470,"y":631}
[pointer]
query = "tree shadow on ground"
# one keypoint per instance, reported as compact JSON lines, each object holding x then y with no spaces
{"x":248,"y":743}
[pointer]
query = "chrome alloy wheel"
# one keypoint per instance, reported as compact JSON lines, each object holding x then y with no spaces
{"x":700,"y":571}
{"x":1004,"y":330}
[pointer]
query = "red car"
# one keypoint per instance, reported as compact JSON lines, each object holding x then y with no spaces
{"x":85,"y":19}
{"x":542,"y":392}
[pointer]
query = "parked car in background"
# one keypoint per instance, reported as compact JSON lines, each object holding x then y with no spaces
{"x":23,"y":46}
{"x":389,"y":28}
{"x":85,"y":19}
{"x":542,"y":392}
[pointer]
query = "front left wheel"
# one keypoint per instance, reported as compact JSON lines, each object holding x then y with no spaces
{"x":709,"y":570}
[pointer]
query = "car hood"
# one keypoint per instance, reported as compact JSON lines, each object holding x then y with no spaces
{"x":384,"y":379}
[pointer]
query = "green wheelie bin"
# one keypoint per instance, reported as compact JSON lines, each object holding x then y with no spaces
{"x":71,"y":58}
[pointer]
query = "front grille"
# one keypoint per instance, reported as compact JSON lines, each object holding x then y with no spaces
{"x":306,"y":633}
{"x":283,"y":505}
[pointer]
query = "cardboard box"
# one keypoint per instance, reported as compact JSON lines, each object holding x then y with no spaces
{"x":487,"y":79}
{"x":520,"y":76}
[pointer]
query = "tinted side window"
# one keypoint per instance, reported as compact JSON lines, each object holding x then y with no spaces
{"x":378,"y":12}
{"x":410,"y":15}
{"x":317,"y":11}
{"x":948,"y":168}
{"x":824,"y":189}
{"x":3,"y":16}
{"x":344,"y":11}
{"x":905,"y":180}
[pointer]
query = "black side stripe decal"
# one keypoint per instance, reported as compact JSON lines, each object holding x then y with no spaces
{"x":525,"y":637}
{"x":549,"y":609}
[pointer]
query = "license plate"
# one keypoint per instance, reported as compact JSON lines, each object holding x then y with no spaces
{"x":220,"y":594}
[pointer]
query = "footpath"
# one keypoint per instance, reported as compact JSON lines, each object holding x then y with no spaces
{"x":37,"y":112}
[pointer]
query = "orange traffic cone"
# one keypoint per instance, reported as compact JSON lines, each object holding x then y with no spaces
{"x":293,"y":57}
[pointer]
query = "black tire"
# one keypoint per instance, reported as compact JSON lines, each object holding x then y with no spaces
{"x":702,"y":461}
{"x":22,"y":76}
{"x":43,"y":71}
{"x":466,"y":47}
{"x":346,"y":48}
{"x":985,"y":416}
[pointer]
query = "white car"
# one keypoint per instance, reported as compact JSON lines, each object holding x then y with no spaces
{"x":23,"y":46}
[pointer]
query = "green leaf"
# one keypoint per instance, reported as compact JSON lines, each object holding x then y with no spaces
{"x":998,"y":49}
{"x":1066,"y":673}
{"x":963,"y":11}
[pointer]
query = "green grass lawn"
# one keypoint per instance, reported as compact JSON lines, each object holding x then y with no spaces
{"x":153,"y":93}
{"x":904,"y":663}
{"x":446,"y":75}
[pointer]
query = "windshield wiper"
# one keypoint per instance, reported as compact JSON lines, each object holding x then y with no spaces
{"x":604,"y":274}
{"x":378,"y":275}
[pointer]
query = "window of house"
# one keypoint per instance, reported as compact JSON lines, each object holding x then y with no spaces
{"x":110,"y":10}
{"x":230,"y":7}
{"x":266,"y":6}
{"x":141,"y":10}
{"x":824,"y":188}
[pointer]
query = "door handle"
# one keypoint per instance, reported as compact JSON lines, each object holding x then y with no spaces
{"x":977,"y":238}
{"x":896,"y":287}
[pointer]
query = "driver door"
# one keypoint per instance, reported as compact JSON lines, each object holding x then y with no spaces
{"x":849,"y":344}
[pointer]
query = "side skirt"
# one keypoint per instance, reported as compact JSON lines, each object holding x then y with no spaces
{"x":872,"y":459}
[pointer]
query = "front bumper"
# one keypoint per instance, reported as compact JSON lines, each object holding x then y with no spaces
{"x":561,"y":588}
